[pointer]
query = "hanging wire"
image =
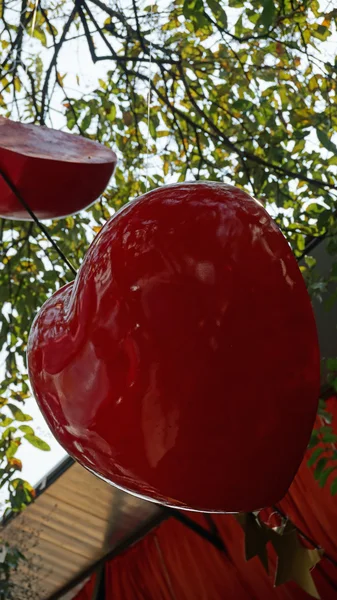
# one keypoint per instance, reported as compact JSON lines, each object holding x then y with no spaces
{"x":34,"y":18}
{"x":16,"y":192}
{"x":149,"y":101}
{"x":37,"y":221}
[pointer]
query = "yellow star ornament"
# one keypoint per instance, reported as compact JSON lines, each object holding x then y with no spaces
{"x":256,"y":538}
{"x":294,"y":561}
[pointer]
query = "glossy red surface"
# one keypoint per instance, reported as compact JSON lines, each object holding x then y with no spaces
{"x":57,"y":173}
{"x":183,"y":364}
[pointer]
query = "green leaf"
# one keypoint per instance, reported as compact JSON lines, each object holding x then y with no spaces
{"x":194,"y":10}
{"x":333,"y":487}
{"x":13,"y":448}
{"x":27,"y":429}
{"x":315,"y":208}
{"x":8,"y":432}
{"x":190,"y":7}
{"x":21,"y":484}
{"x":314,"y":456}
{"x":329,"y":437}
{"x":86,"y":121}
{"x":153,"y":129}
{"x":37,"y":442}
{"x":325,"y":141}
{"x":325,"y":415}
{"x":71,"y":120}
{"x":111,"y":115}
{"x":239,"y":26}
{"x":314,"y":439}
{"x":331,"y":364}
{"x":324,"y":476}
{"x":319,"y":467}
{"x":321,"y":32}
{"x":219,"y":13}
{"x":18,"y":414}
{"x":310,"y":261}
{"x":5,"y":421}
{"x":268,"y":14}
{"x":40,"y":35}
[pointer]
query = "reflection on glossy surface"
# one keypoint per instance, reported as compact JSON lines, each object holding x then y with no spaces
{"x":182,"y":364}
{"x":57,"y":173}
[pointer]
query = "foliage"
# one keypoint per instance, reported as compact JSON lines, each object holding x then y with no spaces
{"x":323,"y":457}
{"x":11,"y":562}
{"x":240,"y":91}
{"x":323,"y":442}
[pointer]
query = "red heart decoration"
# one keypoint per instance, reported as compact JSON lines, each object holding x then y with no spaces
{"x":56,"y":173}
{"x":183,"y":364}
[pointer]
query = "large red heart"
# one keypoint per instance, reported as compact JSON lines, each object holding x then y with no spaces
{"x":56,"y":173}
{"x":183,"y":364}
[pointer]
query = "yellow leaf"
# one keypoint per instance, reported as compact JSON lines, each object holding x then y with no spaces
{"x":70,"y":222}
{"x":40,"y":35}
{"x":15,"y":462}
{"x":306,"y":35}
{"x":60,"y":78}
{"x":17,"y":84}
{"x":127,"y":117}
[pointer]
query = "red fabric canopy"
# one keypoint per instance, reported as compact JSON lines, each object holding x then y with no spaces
{"x":174,"y":563}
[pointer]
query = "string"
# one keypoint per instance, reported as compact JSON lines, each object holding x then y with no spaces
{"x":149,"y":102}
{"x":34,"y":18}
{"x":38,"y":223}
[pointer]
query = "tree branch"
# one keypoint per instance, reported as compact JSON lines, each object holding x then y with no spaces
{"x":53,"y":62}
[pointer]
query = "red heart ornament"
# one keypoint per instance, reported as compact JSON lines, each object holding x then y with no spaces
{"x":56,"y":173}
{"x":182,"y":364}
